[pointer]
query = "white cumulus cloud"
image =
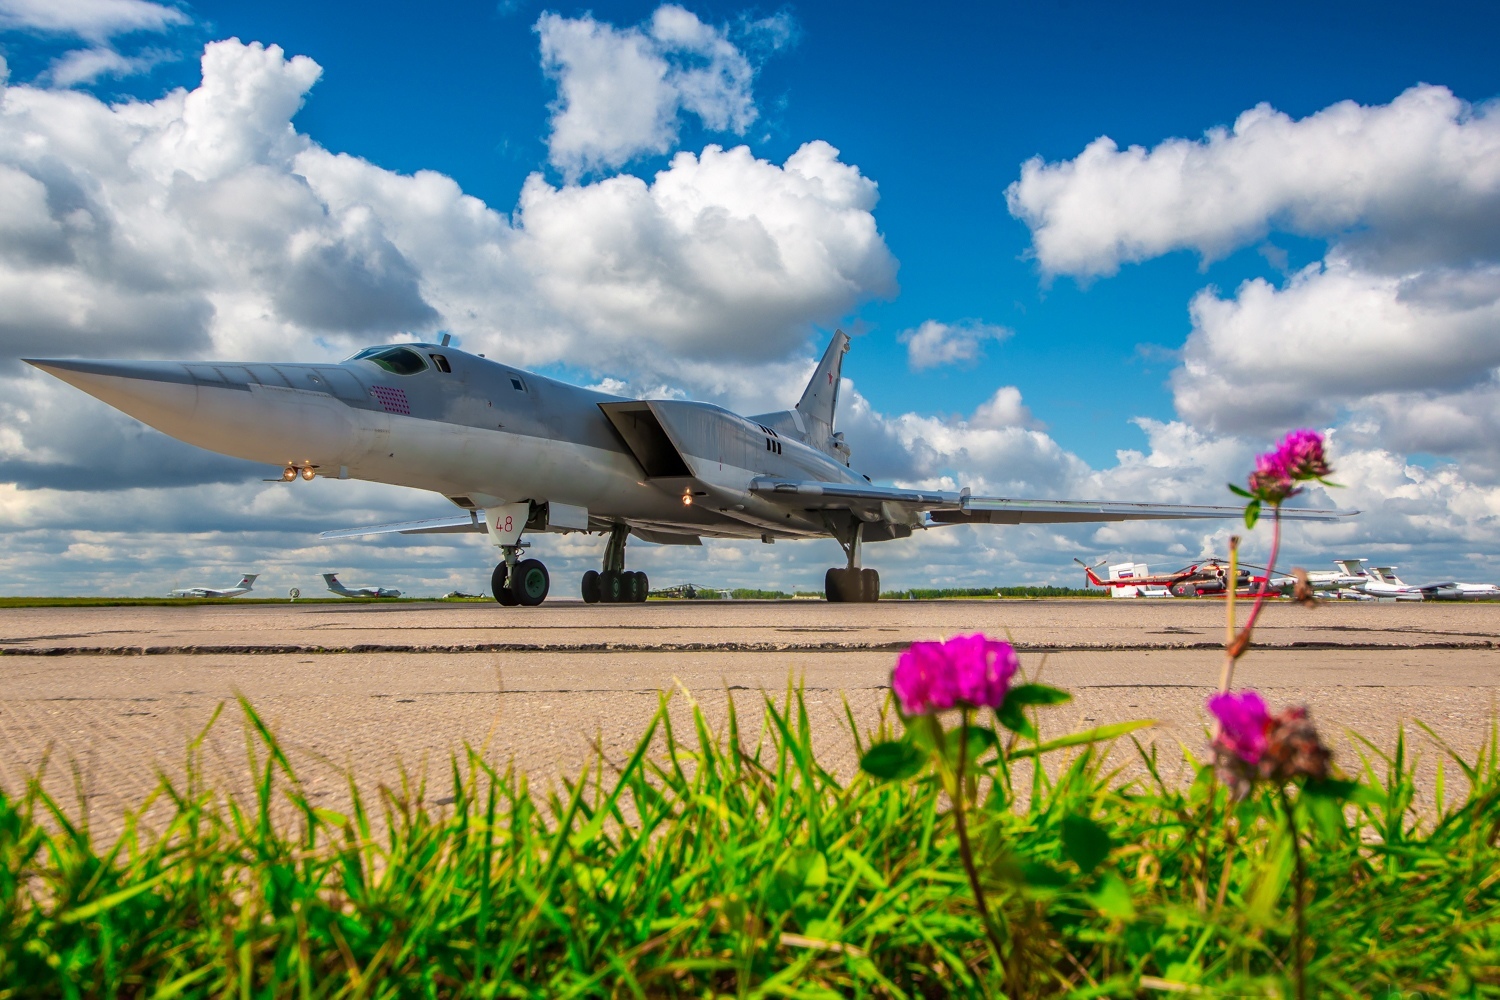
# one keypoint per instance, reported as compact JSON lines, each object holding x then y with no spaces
{"x":1421,"y":175}
{"x":933,"y":343}
{"x":98,"y":22}
{"x":622,"y":92}
{"x":95,"y":20}
{"x":1395,"y":332}
{"x":204,"y":224}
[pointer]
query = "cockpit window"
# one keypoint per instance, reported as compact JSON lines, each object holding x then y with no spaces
{"x":396,"y":360}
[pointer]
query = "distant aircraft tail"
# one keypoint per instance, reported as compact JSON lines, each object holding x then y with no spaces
{"x":332,"y":579}
{"x":1349,"y":567}
{"x":247,"y":581}
{"x":1089,"y":574}
{"x":820,"y":400}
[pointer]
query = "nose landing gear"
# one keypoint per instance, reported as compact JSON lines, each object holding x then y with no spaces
{"x":520,"y":581}
{"x":615,"y":584}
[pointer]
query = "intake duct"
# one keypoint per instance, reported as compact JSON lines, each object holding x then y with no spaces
{"x":638,"y":426}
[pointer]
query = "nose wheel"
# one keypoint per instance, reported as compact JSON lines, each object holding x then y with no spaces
{"x":526,"y":586}
{"x":615,"y":584}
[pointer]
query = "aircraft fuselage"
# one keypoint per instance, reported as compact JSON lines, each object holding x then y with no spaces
{"x":472,"y":429}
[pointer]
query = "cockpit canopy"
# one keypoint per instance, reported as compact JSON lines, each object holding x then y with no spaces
{"x":396,"y":360}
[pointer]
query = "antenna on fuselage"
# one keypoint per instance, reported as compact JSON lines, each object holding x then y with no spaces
{"x":445,"y":339}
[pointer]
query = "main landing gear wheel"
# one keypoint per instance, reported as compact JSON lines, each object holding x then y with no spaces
{"x":615,"y":584}
{"x":639,"y":587}
{"x":615,"y":587}
{"x":852,"y":586}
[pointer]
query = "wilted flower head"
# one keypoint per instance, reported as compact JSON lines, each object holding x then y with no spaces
{"x":969,"y":671}
{"x":1253,"y":745}
{"x":1297,"y":458}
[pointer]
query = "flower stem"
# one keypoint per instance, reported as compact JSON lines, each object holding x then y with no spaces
{"x":1241,"y":642}
{"x":1299,"y":907}
{"x":967,"y":853}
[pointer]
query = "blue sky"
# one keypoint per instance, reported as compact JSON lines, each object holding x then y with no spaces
{"x":940,"y":105}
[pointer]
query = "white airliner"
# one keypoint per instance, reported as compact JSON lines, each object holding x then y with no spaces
{"x":332,"y":580}
{"x":1384,"y":582}
{"x":1350,"y":576}
{"x":522,"y":453}
{"x":243,"y":587}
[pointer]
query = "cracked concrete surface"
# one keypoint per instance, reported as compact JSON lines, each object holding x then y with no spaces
{"x":542,"y":686}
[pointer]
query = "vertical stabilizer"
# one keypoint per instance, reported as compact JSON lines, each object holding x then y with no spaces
{"x":820,"y":399}
{"x":332,"y":579}
{"x":248,"y":580}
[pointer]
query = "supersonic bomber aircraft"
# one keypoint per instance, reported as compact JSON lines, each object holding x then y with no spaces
{"x":520,"y":453}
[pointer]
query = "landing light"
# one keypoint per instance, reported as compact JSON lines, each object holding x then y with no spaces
{"x":288,"y":474}
{"x":307,"y":473}
{"x":687,"y":499}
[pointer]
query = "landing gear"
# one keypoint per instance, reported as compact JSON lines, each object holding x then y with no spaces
{"x":851,"y":584}
{"x":519,"y":581}
{"x":615,"y":584}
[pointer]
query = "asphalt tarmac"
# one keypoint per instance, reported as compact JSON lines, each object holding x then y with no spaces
{"x":109,"y":698}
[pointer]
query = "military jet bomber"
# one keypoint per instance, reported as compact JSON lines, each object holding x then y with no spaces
{"x":520,"y":454}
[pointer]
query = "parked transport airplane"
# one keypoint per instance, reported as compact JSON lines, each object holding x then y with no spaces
{"x":1350,"y":576}
{"x":520,"y":453}
{"x":332,"y":579}
{"x":1383,"y":582}
{"x":243,"y":587}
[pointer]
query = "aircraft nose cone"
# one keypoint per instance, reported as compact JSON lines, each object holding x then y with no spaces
{"x":227,"y":408}
{"x":156,"y":392}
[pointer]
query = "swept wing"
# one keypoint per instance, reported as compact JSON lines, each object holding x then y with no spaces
{"x":873,"y":502}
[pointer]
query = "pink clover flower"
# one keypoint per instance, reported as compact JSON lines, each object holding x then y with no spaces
{"x":966,"y":671}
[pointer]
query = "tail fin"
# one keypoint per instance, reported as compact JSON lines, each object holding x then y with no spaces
{"x":332,"y":579}
{"x":1349,"y":567}
{"x":1088,"y":572}
{"x":820,"y":399}
{"x":248,"y":580}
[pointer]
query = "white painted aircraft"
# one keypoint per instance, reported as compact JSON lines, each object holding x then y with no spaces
{"x":332,"y":579}
{"x":243,"y":587}
{"x":1349,"y":576}
{"x":520,"y":453}
{"x":1384,"y":582}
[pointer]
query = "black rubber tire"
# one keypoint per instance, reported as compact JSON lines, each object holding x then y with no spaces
{"x":611,"y":587}
{"x":497,"y":587}
{"x":842,"y":585}
{"x":833,"y":585}
{"x":590,"y":587}
{"x":531,"y":583}
{"x":643,"y":584}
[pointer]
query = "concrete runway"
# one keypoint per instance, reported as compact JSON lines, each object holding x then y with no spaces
{"x":117,"y":693}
